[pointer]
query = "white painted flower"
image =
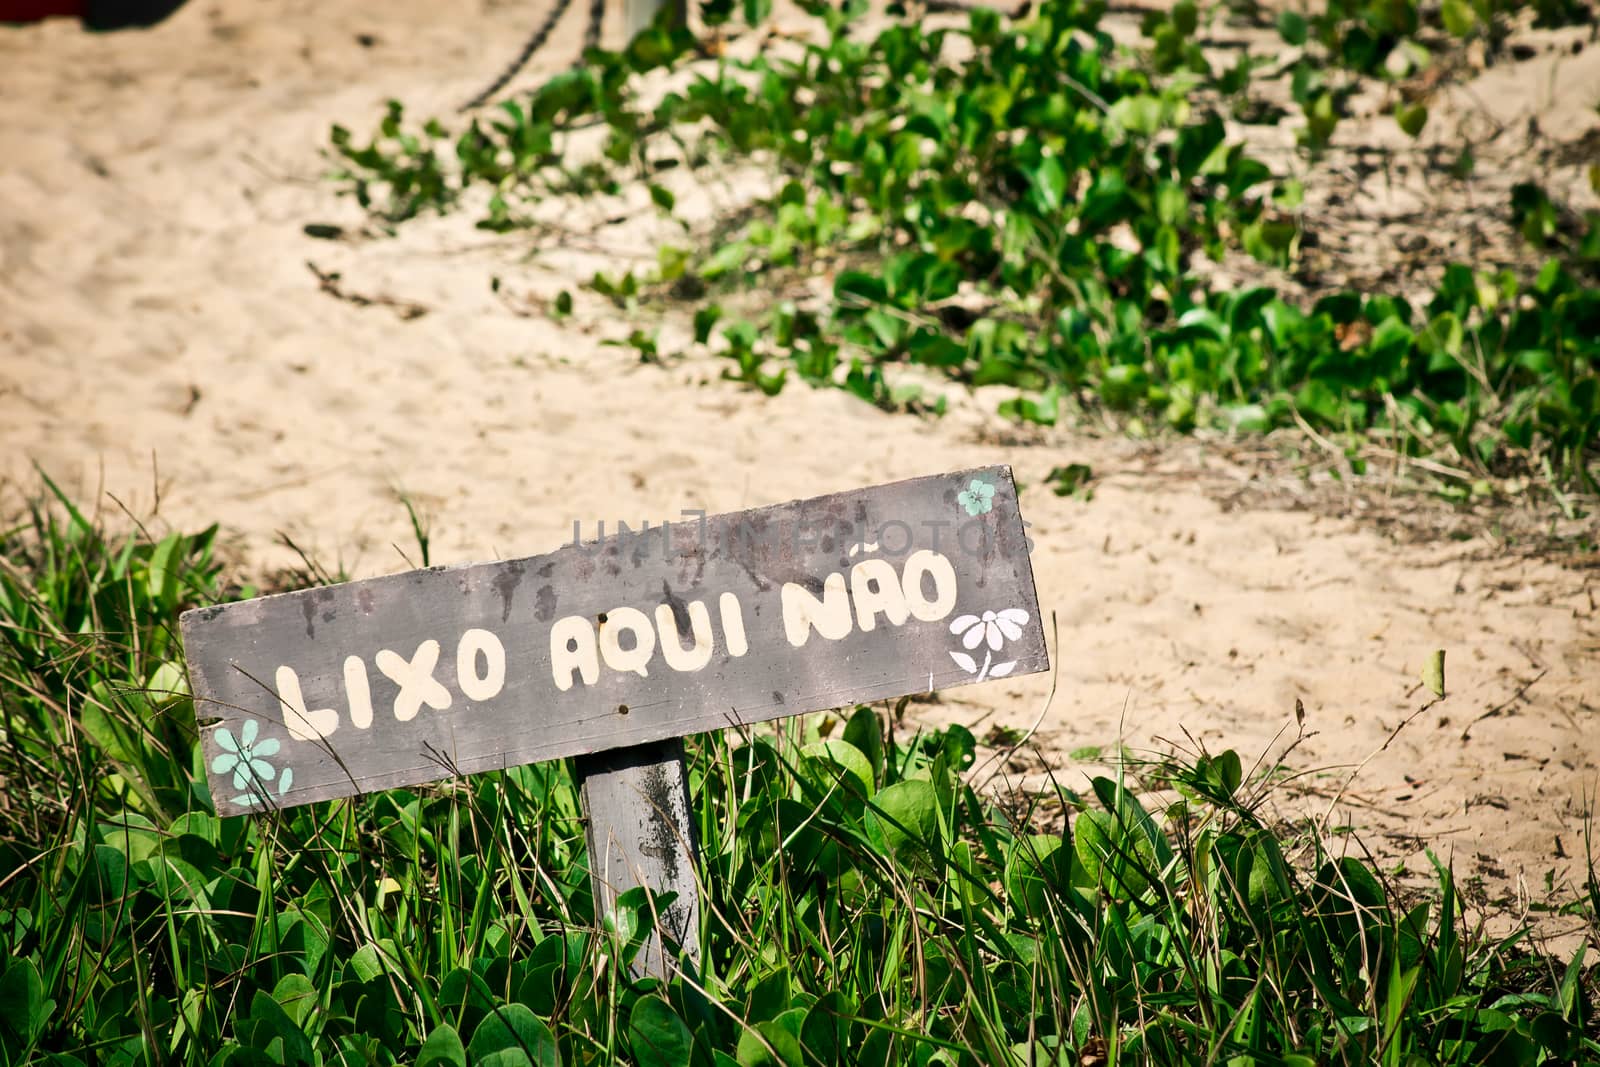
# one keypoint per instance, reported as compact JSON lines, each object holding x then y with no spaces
{"x":997,"y":626}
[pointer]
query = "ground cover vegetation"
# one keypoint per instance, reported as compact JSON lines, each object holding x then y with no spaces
{"x":1024,"y":202}
{"x":865,"y":900}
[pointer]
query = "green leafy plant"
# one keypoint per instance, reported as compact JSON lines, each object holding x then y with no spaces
{"x":1072,"y":480}
{"x":1042,"y":232}
{"x":861,"y":901}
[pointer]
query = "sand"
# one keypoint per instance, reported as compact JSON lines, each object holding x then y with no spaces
{"x":164,"y":342}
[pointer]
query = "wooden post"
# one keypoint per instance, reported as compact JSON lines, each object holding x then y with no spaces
{"x":636,"y":803}
{"x":637,"y":15}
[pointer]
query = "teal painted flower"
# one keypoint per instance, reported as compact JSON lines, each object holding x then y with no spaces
{"x":977,"y":498}
{"x":245,"y":757}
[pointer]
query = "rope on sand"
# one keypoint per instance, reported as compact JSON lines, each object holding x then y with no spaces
{"x":591,"y":37}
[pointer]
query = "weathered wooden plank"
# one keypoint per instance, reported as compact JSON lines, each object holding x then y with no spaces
{"x":640,"y":834}
{"x":852,"y":597}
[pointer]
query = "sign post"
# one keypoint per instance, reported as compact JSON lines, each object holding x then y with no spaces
{"x":611,"y":652}
{"x":637,"y":15}
{"x":636,"y":800}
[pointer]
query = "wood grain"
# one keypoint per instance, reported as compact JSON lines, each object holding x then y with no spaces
{"x":640,"y":834}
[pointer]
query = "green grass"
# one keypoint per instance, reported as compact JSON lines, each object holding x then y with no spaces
{"x":861,"y":902}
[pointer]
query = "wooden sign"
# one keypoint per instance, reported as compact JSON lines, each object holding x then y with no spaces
{"x":628,"y":643}
{"x":683,"y":628}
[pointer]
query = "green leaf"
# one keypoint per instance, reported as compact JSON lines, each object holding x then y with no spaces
{"x":855,"y":288}
{"x":1269,"y":877}
{"x":166,"y":683}
{"x":1391,"y":339}
{"x":165,"y":563}
{"x":466,"y":992}
{"x":512,"y":1035}
{"x":1070,"y":479}
{"x":1433,"y":673}
{"x":630,"y":919}
{"x":1321,"y":118}
{"x":903,"y":821}
{"x":657,"y":1036}
{"x":296,"y":996}
{"x":1350,"y":896}
{"x":672,"y":263}
{"x":1571,"y":992}
{"x":770,"y":997}
{"x":1185,"y":17}
{"x":958,"y":746}
{"x":366,"y":963}
{"x":269,"y":1024}
{"x":865,"y":734}
{"x":1043,"y":409}
{"x":1094,"y":838}
{"x":1292,"y":27}
{"x":1458,"y":16}
{"x":841,"y":754}
{"x":1248,"y":418}
{"x":726,"y":258}
{"x":1105,"y":202}
{"x":442,"y":1048}
{"x":770,"y":1044}
{"x":112,"y":866}
{"x":1140,"y":114}
{"x":1230,"y":771}
{"x":825,"y":1033}
{"x":1124,"y":386}
{"x":23,"y":1007}
{"x":1049,"y":181}
{"x":1037,"y":864}
{"x":705,"y":319}
{"x":1412,"y":118}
